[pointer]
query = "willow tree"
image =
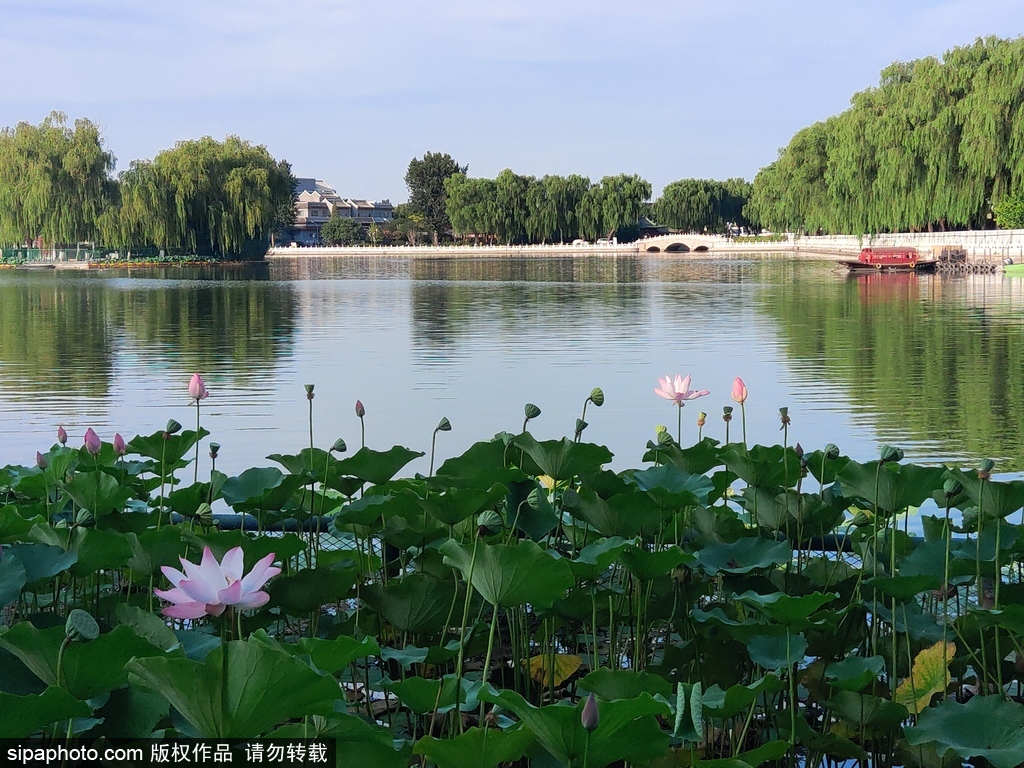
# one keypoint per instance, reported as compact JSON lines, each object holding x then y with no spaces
{"x":936,"y":145}
{"x":55,"y":181}
{"x":469,"y":203}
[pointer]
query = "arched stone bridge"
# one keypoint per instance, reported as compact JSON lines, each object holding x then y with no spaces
{"x":679,"y":243}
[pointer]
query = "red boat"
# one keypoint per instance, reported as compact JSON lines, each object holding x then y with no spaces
{"x":896,"y":259}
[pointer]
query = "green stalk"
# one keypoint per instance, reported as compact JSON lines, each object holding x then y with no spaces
{"x":195,"y":474}
{"x":487,"y":658}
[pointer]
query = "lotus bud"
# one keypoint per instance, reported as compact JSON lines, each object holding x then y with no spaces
{"x":798,"y":450}
{"x":443,"y":425}
{"x":62,"y":436}
{"x":784,"y":418}
{"x":739,"y":390}
{"x":985,"y":473}
{"x":173,"y":427}
{"x":952,"y":488}
{"x":890,"y":454}
{"x":119,"y":444}
{"x":726,"y":413}
{"x":81,"y":627}
{"x":597,"y":396}
{"x":701,"y":418}
{"x":590,"y":717}
{"x":531,"y":411}
{"x":339,"y":446}
{"x":570,"y":499}
{"x":92,"y":441}
{"x":41,"y":461}
{"x":309,"y":391}
{"x":360,"y":410}
{"x":832,"y":451}
{"x":204,"y":514}
{"x":214,"y":450}
{"x":197,"y":388}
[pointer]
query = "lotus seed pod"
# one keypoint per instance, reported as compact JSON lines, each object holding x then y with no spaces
{"x":531,"y":411}
{"x":597,"y":396}
{"x":339,"y":446}
{"x":173,"y":427}
{"x":890,"y":454}
{"x":831,"y":451}
{"x":952,"y":488}
{"x":81,"y":627}
{"x":444,"y":425}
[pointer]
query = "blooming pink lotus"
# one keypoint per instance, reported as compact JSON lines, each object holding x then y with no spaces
{"x":739,"y":390}
{"x":119,"y":444}
{"x":678,"y":390}
{"x":92,"y":441}
{"x":197,"y":388}
{"x":210,"y":587}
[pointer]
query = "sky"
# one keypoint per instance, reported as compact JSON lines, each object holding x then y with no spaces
{"x":350,"y":91}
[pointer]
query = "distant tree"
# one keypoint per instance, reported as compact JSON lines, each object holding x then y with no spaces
{"x":510,"y":206}
{"x":341,"y":230}
{"x":471,"y":205}
{"x":375,"y":233}
{"x":1010,"y":212}
{"x":425,"y":180}
{"x":695,"y":205}
{"x":623,"y":198}
{"x":408,"y":222}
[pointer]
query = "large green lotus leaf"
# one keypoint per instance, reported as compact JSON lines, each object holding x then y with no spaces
{"x":689,"y":712}
{"x":42,"y":561}
{"x":792,"y":512}
{"x":789,"y":610}
{"x":87,"y":669}
{"x":531,"y":510}
{"x":510,"y":575}
{"x":168,"y":450}
{"x":560,"y":459}
{"x":307,"y":590}
{"x":994,"y":498}
{"x":155,"y":548}
{"x":252,"y":484}
{"x":99,"y":549}
{"x":986,"y":726}
{"x":673,"y":488}
{"x":737,"y":630}
{"x":743,"y":556}
{"x":878,"y":716}
{"x":899,"y":485}
{"x":903,"y":588}
{"x":773,"y":750}
{"x":768,"y":466}
{"x":646,"y":565}
{"x":264,"y":688}
{"x":353,"y":736}
{"x":416,"y":603}
{"x":625,"y":514}
{"x":422,"y":695}
{"x":929,"y":675}
{"x":912,"y":620}
{"x":611,"y":684}
{"x":697,"y":459}
{"x":129,"y":713}
{"x":25,"y":715}
{"x":628,"y":728}
{"x":854,"y":673}
{"x":456,"y":504}
{"x":737,"y":698}
{"x":12,"y":578}
{"x":777,"y":651}
{"x":335,"y":655}
{"x":310,"y":464}
{"x":376,"y":466}
{"x":411,"y":654}
{"x":255,"y":548}
{"x":368,"y":510}
{"x":146,"y":625}
{"x":13,"y":526}
{"x":482,"y":466}
{"x":477,"y":748}
{"x":596,"y":558}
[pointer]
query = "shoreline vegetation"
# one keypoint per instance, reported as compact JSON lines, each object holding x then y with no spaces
{"x":937,"y":146}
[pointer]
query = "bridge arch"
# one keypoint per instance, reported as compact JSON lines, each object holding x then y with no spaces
{"x":677,"y":248}
{"x":701,"y":249}
{"x":653,"y":249}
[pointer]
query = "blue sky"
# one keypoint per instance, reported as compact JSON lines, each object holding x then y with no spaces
{"x":351,"y":91}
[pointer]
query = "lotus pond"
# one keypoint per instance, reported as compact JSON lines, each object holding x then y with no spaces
{"x":722,"y":605}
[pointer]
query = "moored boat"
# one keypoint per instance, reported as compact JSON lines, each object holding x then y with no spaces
{"x":897,"y":259}
{"x":1013,"y":269}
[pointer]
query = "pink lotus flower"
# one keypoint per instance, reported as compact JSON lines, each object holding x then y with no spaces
{"x":197,"y":388}
{"x":360,"y":410}
{"x":92,"y":441}
{"x":739,"y":390}
{"x":62,"y":436}
{"x":677,"y":390}
{"x":210,"y":587}
{"x":119,"y":446}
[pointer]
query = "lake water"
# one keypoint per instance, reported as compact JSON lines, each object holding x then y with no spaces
{"x":932,"y":364}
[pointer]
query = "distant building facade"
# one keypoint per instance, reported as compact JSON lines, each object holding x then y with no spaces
{"x":318,"y":202}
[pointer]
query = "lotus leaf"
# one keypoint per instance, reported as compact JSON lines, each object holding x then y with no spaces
{"x":509,"y":575}
{"x":899,"y":485}
{"x":672,"y":488}
{"x":928,"y":676}
{"x":251,"y":485}
{"x":12,"y":578}
{"x":773,"y":750}
{"x":560,"y":459}
{"x":986,"y":726}
{"x":376,"y":467}
{"x":689,"y":713}
{"x":24,"y":715}
{"x":646,"y":565}
{"x":264,"y":687}
{"x":41,"y":561}
{"x":628,"y":731}
{"x":596,"y":558}
{"x":774,"y":652}
{"x":743,"y":556}
{"x":854,"y":673}
{"x":738,"y":698}
{"x":767,"y":466}
{"x":553,"y":670}
{"x":477,"y":748}
{"x":625,"y":514}
{"x":416,"y":603}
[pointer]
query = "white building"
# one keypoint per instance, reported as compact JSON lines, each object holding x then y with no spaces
{"x":317,"y":203}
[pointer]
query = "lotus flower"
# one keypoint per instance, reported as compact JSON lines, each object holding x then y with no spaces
{"x":119,"y":445}
{"x":210,"y":587}
{"x":590,"y":717}
{"x":678,"y":390}
{"x":739,"y":390}
{"x":360,"y":410}
{"x":41,"y":461}
{"x":62,"y":435}
{"x":92,"y":441}
{"x":197,"y":388}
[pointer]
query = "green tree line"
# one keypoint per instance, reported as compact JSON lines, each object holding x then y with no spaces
{"x":939,"y":144}
{"x":204,"y":196}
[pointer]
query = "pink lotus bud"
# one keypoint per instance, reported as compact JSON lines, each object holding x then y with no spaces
{"x":360,"y":411}
{"x":92,"y":441}
{"x":119,"y":446}
{"x":739,"y":390}
{"x":197,"y":389}
{"x":62,"y":436}
{"x":590,"y":717}
{"x":41,"y":461}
